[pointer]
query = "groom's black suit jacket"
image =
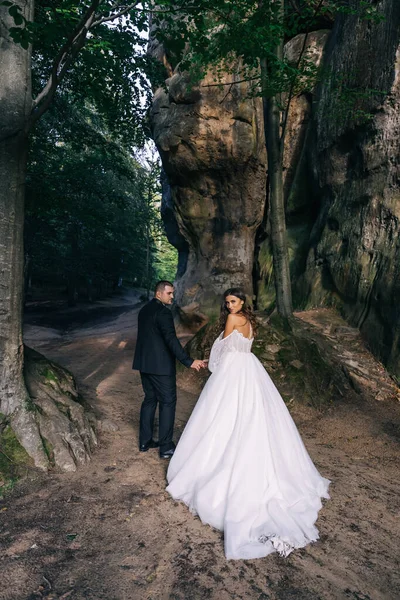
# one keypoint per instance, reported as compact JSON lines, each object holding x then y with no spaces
{"x":157,"y":346}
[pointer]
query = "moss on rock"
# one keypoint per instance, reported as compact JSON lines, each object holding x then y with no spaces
{"x":54,"y":425}
{"x":13,"y":457}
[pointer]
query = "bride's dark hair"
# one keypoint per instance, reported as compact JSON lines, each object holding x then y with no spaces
{"x":246,"y":310}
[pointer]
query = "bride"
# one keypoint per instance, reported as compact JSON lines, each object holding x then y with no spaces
{"x":240,"y":464}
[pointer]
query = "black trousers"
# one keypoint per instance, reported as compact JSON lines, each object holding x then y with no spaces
{"x":161,"y":389}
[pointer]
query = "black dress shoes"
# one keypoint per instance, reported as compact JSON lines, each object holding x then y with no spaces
{"x":167,"y":453}
{"x":150,"y":444}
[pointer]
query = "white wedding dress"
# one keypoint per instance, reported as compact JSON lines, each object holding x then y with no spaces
{"x":240,"y":463}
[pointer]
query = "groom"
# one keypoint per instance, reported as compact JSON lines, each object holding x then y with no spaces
{"x":157,"y":347}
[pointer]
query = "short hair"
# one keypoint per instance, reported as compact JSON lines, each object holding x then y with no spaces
{"x":161,"y":285}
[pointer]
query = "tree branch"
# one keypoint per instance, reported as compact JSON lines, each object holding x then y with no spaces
{"x":293,"y":4}
{"x":232,"y":83}
{"x":290,"y":98}
{"x":64,"y":51}
{"x":133,"y":7}
{"x":64,"y":58}
{"x":121,"y":13}
{"x":67,"y":54}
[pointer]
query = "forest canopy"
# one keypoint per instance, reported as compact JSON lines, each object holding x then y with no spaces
{"x":92,"y":219}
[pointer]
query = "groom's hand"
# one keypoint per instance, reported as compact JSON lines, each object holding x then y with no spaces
{"x":197,"y":364}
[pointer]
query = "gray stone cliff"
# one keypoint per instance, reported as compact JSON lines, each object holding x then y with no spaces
{"x":353,"y":257}
{"x":212,"y":149}
{"x":341,"y":182}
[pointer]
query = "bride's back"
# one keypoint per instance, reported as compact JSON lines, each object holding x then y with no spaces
{"x":240,"y":324}
{"x":244,"y":328}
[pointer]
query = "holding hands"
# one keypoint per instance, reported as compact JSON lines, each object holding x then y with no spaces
{"x":199,"y":364}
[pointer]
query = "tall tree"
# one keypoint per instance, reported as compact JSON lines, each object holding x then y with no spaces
{"x":272,"y":104}
{"x":16,"y":102}
{"x":60,"y":34}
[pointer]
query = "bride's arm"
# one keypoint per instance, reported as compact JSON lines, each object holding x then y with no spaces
{"x":219,"y":346}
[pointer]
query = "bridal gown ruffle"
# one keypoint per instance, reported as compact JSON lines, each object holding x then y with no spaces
{"x":240,"y":463}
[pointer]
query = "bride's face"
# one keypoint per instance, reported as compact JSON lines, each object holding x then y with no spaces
{"x":233,"y":304}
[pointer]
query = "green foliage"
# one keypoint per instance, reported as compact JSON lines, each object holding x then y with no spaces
{"x":22,"y":33}
{"x":48,"y":448}
{"x":49,"y":375}
{"x":109,"y":70}
{"x":95,"y":51}
{"x":166,"y":259}
{"x":30,"y":406}
{"x":13,"y":457}
{"x":92,"y":211}
{"x":92,"y":219}
{"x":233,"y":36}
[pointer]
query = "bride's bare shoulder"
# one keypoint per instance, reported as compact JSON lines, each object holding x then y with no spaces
{"x":232,"y":323}
{"x":236,"y":320}
{"x":230,"y":318}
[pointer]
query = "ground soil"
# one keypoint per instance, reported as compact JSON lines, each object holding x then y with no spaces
{"x":111,"y":532}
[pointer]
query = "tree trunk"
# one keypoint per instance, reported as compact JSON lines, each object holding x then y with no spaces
{"x":148,"y":212}
{"x":147,"y":266}
{"x":27,"y":277}
{"x":15,"y":95}
{"x":277,"y":202}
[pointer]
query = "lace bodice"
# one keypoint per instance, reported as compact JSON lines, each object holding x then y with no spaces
{"x":234,"y":342}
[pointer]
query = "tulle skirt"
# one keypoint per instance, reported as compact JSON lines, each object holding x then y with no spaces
{"x":241,"y":465}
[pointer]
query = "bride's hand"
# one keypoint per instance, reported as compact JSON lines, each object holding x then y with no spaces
{"x":197,"y":365}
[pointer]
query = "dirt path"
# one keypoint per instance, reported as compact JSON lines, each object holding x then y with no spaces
{"x":110,"y":532}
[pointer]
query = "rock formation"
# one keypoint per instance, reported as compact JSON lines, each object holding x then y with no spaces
{"x":214,"y":206}
{"x":341,"y":182}
{"x":354,"y":253}
{"x":212,"y":148}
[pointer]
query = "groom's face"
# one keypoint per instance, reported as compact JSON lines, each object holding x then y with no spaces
{"x":167,"y":295}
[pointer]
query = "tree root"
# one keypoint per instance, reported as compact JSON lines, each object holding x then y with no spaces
{"x":54,"y":413}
